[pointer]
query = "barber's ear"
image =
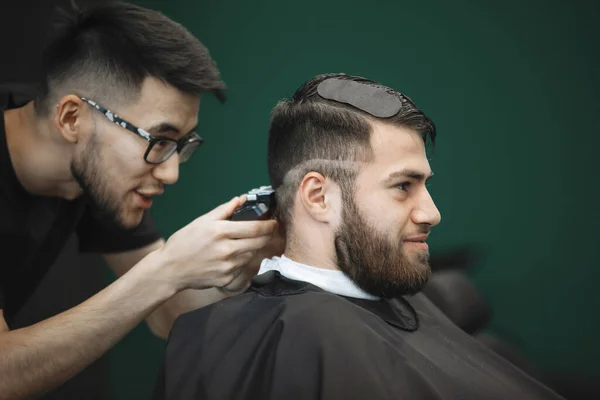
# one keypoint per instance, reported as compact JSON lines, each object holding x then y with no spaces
{"x":71,"y":113}
{"x":319,"y":197}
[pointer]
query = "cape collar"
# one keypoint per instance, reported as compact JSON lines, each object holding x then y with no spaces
{"x":397,"y":312}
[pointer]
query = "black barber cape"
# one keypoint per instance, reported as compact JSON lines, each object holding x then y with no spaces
{"x":286,"y":339}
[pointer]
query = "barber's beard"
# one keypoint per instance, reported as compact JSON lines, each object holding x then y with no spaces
{"x":375,"y":263}
{"x":88,"y":172}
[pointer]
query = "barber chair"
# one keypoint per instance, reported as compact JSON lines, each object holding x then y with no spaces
{"x":456,"y":296}
{"x":452,"y":291}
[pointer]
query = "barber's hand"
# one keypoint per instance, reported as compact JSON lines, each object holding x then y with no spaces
{"x":275,"y":247}
{"x":212,"y":251}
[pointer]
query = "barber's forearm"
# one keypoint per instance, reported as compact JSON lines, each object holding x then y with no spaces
{"x":40,"y":357}
{"x":161,"y":320}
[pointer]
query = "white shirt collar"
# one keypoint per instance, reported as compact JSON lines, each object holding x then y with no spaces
{"x":333,"y":281}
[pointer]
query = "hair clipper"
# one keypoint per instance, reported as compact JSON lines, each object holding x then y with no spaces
{"x":259,"y":205}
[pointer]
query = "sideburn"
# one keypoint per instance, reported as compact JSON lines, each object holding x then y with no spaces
{"x":88,"y":173}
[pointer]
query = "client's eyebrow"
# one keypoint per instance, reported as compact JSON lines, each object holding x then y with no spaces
{"x":409,"y":173}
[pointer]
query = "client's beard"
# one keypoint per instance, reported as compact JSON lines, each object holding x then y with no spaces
{"x":376,"y":264}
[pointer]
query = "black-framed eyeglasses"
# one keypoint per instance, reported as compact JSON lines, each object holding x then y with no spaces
{"x":160,"y":148}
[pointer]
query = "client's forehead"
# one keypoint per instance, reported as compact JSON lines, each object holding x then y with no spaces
{"x":398,"y":147}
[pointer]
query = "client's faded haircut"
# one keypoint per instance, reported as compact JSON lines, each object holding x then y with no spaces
{"x":311,"y":133}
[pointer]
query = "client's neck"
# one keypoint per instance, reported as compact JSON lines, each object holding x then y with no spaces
{"x":315,"y":253}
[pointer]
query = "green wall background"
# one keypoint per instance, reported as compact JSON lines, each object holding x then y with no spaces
{"x":514,"y":90}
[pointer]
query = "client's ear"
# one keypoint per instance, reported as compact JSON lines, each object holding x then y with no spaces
{"x":320,"y":197}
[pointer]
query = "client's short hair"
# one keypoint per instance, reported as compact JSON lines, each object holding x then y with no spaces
{"x":311,"y":133}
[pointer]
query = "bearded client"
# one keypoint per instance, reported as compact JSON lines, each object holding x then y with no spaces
{"x":339,"y":315}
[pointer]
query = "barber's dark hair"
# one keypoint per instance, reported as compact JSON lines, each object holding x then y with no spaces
{"x":307,"y":130}
{"x":105,"y":51}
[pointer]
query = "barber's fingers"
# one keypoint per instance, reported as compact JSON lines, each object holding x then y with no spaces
{"x":241,"y":277}
{"x":249,"y":245}
{"x":225,"y":210}
{"x":247,"y":229}
{"x":238,"y":270}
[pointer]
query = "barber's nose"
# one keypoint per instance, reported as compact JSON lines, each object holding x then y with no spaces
{"x":426,"y":212}
{"x":168,"y":171}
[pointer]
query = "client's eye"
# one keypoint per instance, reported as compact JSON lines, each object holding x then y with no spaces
{"x":404,"y":186}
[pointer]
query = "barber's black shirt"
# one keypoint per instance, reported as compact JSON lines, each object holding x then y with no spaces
{"x":33,"y":229}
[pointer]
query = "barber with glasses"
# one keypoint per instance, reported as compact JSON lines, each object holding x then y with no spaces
{"x":84,"y":170}
{"x":159,"y":148}
{"x":84,"y":154}
{"x":95,"y":177}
